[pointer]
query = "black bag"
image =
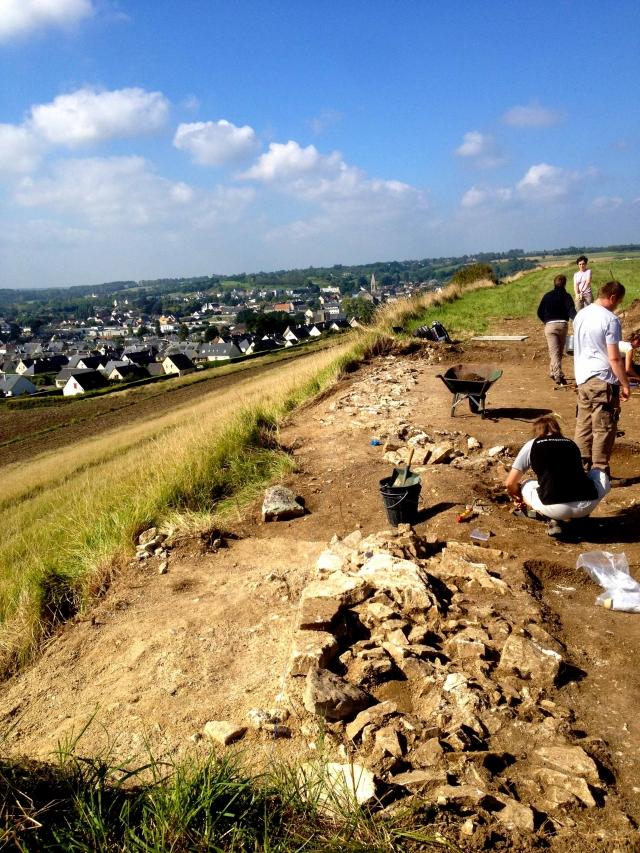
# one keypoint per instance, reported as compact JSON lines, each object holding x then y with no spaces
{"x":440,"y":333}
{"x":436,"y":332}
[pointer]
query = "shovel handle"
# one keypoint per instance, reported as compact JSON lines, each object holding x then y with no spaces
{"x":409,"y":458}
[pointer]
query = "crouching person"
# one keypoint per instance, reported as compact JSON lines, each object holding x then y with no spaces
{"x":562,"y":490}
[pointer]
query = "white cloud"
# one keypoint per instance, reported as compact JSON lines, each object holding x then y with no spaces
{"x":541,"y":182}
{"x":606,"y":204}
{"x":124,"y":192}
{"x":88,"y":116}
{"x":308,"y":175}
{"x":481,"y":148}
{"x":544,"y":182}
{"x":20,"y":17}
{"x":288,"y":161}
{"x":479,"y":196}
{"x":533,"y":115}
{"x":216,"y":143}
{"x":19,"y":149}
{"x":326,"y":120}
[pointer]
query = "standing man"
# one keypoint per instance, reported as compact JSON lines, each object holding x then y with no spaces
{"x":555,"y":310}
{"x":582,"y":283}
{"x":600,"y":375}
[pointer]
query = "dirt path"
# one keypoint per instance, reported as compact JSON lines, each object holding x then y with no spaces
{"x":162,"y":654}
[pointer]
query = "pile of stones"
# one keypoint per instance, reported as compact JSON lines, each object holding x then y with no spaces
{"x":154,"y":543}
{"x":428,"y":667}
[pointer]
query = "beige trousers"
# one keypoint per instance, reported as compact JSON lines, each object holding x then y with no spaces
{"x":556,"y":334}
{"x":597,"y":419}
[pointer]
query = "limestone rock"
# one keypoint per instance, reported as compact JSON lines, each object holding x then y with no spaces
{"x":441,"y":453}
{"x":334,"y":788}
{"x":427,"y":753}
{"x":148,"y":536}
{"x":560,"y":789}
{"x":515,"y":815}
{"x":327,"y":695}
{"x":388,"y":742}
{"x":529,"y":660}
{"x":223,"y":732}
{"x":280,"y":504}
{"x":416,"y":780}
{"x":404,"y":583}
{"x":347,"y":589}
{"x":375,"y":715}
{"x":329,"y":562}
{"x":569,"y":759}
{"x":312,"y":649}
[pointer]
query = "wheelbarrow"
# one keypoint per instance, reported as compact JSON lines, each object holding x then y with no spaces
{"x":470,"y":382}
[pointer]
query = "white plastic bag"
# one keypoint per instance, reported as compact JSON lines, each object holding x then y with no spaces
{"x":611,"y":571}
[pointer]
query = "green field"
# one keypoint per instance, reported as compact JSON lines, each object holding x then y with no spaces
{"x":483,"y":309}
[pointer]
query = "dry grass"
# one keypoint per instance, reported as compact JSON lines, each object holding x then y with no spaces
{"x":68,"y":515}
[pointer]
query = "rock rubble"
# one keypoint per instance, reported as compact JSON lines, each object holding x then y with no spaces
{"x":428,"y":665}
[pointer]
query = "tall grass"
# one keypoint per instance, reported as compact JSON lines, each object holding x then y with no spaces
{"x":68,"y":517}
{"x":204,"y":803}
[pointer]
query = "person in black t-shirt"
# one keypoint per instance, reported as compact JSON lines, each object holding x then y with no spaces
{"x":562,"y":490}
{"x":555,"y":310}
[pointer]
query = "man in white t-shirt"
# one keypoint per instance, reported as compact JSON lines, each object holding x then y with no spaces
{"x":582,"y":283}
{"x":600,"y":376}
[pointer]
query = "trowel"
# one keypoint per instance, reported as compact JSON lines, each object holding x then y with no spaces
{"x":402,"y":474}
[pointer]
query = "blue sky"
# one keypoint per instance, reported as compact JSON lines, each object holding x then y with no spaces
{"x":149,"y":138}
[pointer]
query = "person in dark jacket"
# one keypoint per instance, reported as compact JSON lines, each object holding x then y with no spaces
{"x":555,"y":310}
{"x":562,"y":490}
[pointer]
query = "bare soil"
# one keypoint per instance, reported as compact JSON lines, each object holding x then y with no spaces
{"x":160,"y":655}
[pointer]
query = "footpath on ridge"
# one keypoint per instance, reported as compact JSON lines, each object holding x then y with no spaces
{"x":484,"y":681}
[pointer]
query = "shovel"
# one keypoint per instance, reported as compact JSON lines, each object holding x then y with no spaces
{"x":403,"y":473}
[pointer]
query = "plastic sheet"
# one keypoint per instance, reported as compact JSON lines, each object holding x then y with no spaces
{"x":611,"y":571}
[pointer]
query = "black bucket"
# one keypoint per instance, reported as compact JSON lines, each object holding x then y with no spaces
{"x":400,"y":502}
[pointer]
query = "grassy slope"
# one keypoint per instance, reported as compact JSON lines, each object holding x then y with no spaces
{"x":66,"y":516}
{"x":480,"y":310}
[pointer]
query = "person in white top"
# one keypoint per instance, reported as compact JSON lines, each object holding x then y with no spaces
{"x":600,"y":376}
{"x":627,"y":349}
{"x":582,"y":283}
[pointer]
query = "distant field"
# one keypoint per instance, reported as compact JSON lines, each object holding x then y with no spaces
{"x":26,"y":432}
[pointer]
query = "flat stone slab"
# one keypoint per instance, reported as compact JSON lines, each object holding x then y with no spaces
{"x":223,"y":732}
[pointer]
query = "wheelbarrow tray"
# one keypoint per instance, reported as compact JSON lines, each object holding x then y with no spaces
{"x":470,"y":382}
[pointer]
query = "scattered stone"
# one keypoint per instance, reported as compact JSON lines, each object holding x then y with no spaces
{"x":312,"y":649}
{"x":277,"y":730}
{"x":223,"y":732}
{"x":258,"y":717}
{"x":281,"y":504}
{"x":163,"y":568}
{"x":473,"y":443}
{"x":329,"y":696}
{"x":148,"y":536}
{"x":492,"y":452}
